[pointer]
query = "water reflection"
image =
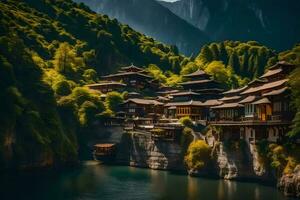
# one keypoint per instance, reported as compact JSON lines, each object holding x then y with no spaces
{"x":93,"y":181}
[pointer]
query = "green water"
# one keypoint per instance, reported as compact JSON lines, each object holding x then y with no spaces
{"x":93,"y":181}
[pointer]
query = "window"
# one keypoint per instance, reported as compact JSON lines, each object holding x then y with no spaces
{"x":277,"y":106}
{"x":131,"y":110}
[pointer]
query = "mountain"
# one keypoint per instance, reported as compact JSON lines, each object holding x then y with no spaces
{"x":274,"y":23}
{"x":149,"y":17}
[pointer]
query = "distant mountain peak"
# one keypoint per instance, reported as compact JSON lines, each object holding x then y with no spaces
{"x":153,"y":19}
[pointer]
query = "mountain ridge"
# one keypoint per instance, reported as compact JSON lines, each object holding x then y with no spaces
{"x":268,"y":22}
{"x":153,"y":19}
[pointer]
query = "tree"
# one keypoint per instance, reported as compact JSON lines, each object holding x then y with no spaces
{"x":62,"y":88}
{"x":234,"y":62}
{"x":223,"y":53}
{"x":215,"y":51}
{"x":113,"y":101}
{"x":65,"y":59}
{"x":218,"y":71}
{"x":206,"y":54}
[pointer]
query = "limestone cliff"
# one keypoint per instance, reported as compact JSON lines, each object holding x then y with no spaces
{"x":289,"y":184}
{"x":137,"y":149}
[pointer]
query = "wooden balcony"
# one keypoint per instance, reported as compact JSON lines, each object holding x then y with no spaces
{"x":253,"y":120}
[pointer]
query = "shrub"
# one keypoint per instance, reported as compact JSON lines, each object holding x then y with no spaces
{"x":113,"y":101}
{"x":198,"y":155}
{"x":186,"y":121}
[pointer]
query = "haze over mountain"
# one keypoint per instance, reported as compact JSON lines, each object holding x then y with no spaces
{"x":153,"y":19}
{"x":274,"y":23}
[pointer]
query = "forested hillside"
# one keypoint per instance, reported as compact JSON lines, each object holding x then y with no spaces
{"x":49,"y":49}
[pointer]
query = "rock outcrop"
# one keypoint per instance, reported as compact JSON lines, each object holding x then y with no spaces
{"x":139,"y":150}
{"x":243,"y":163}
{"x":289,"y":184}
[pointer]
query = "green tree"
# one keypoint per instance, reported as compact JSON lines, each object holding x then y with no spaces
{"x":113,"y":101}
{"x":218,"y":71}
{"x":223,"y":53}
{"x":234,"y":62}
{"x":206,"y":54}
{"x":215,"y":51}
{"x":66,"y":60}
{"x":62,"y":88}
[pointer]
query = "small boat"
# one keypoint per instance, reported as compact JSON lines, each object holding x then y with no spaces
{"x":105,"y":153}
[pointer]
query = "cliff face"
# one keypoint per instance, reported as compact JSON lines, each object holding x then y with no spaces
{"x":242,"y":163}
{"x":289,"y":184}
{"x":264,"y":21}
{"x":140,"y":151}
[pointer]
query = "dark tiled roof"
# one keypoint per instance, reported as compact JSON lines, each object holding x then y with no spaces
{"x":144,"y":101}
{"x":107,"y":83}
{"x":184,"y":93}
{"x":282,"y":64}
{"x":185,"y":103}
{"x":271,"y":73}
{"x":199,"y":72}
{"x":248,"y":99}
{"x":230,"y":98}
{"x":265,"y":86}
{"x":211,"y":102}
{"x":276,"y":92}
{"x":229,"y":105}
{"x":126,"y":74}
{"x":167,"y":92}
{"x":257,"y":81}
{"x":232,"y":91}
{"x":210,"y":90}
{"x":197,"y":82}
{"x":262,"y":101}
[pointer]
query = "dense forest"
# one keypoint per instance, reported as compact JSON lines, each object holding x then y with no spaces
{"x":50,"y":49}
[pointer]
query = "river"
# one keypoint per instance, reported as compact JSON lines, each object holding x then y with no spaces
{"x":93,"y":181}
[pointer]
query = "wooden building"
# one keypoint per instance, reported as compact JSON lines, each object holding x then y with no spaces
{"x":261,"y":110}
{"x":196,"y":110}
{"x":142,"y":108}
{"x":201,"y":82}
{"x":134,"y":77}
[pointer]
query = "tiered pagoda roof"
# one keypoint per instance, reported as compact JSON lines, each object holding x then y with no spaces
{"x":201,"y":82}
{"x":122,"y":74}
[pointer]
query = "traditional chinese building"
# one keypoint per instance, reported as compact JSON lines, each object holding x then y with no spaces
{"x":142,"y":108}
{"x":261,"y":110}
{"x":134,"y":77}
{"x":202,"y":83}
{"x":199,"y":94}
